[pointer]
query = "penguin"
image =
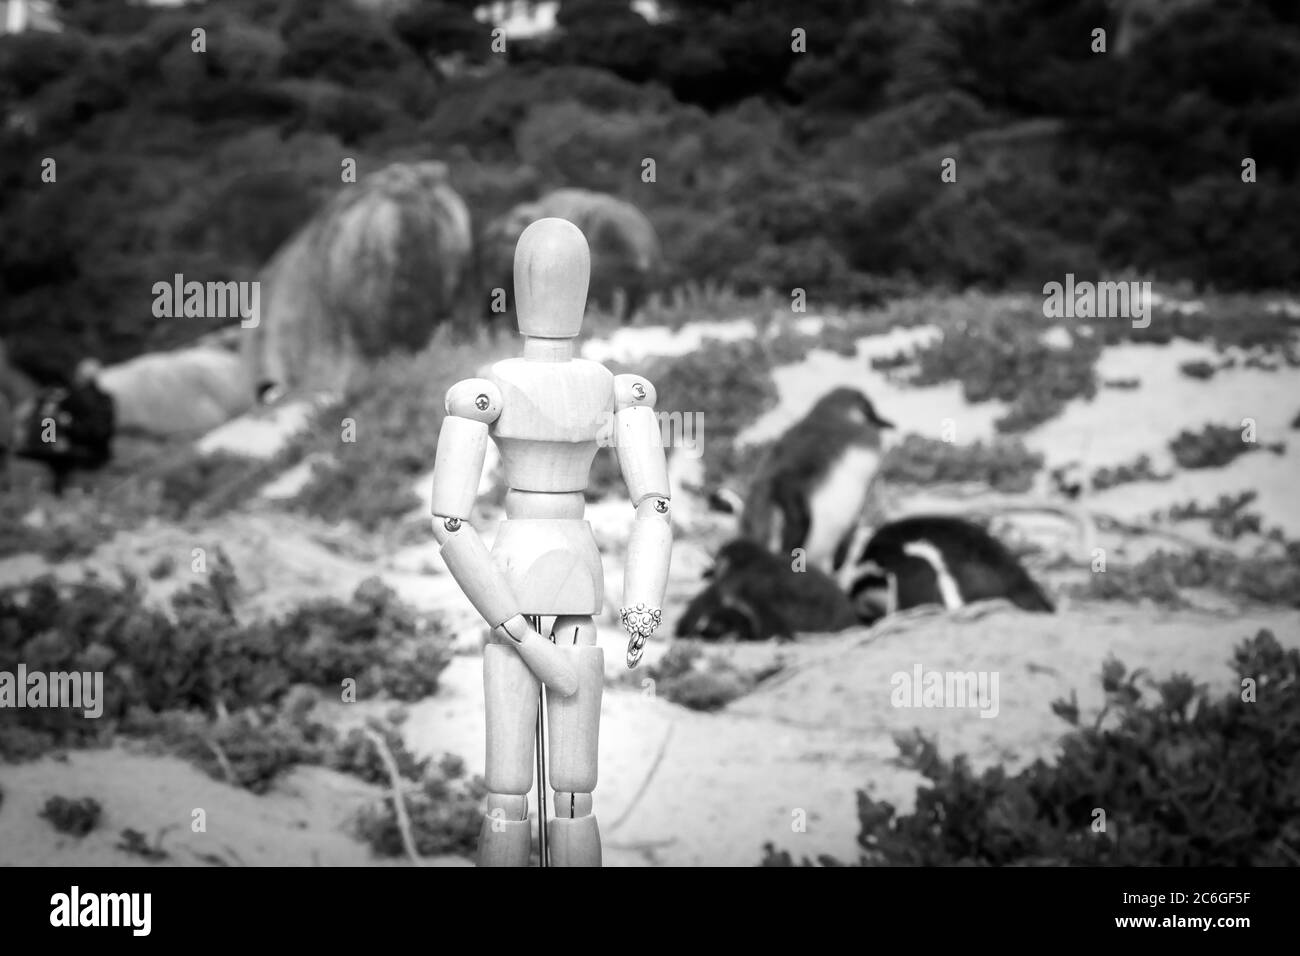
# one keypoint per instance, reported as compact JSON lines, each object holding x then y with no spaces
{"x":813,"y":483}
{"x":755,"y":595}
{"x":935,"y":559}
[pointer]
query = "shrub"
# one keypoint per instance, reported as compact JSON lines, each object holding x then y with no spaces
{"x":1160,"y":577}
{"x":1213,"y":446}
{"x":686,"y":675}
{"x":1226,"y":516}
{"x":77,"y":816}
{"x":173,"y":487}
{"x":1184,"y":779}
{"x":444,"y":810}
{"x":1139,"y":469}
{"x":249,"y":749}
{"x":1002,"y":356}
{"x":1198,"y":369}
{"x":398,"y":409}
{"x":356,"y":754}
{"x":1005,"y":464}
{"x":200,"y":660}
{"x":730,"y":383}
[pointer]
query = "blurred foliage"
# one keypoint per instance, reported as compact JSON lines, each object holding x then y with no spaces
{"x":444,"y":805}
{"x":143,"y":484}
{"x":1215,"y":446}
{"x":1001,"y":354}
{"x":1162,"y":577}
{"x":397,"y":408}
{"x":1140,"y":469}
{"x":1184,"y":779}
{"x":1005,"y":464}
{"x":686,"y":675}
{"x":238,"y":699}
{"x":1227,"y":516}
{"x":728,"y":384}
{"x":75,"y":816}
{"x":200,"y":660}
{"x":775,"y":168}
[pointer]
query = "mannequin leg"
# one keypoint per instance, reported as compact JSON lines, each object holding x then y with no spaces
{"x":510,"y":693}
{"x":574,"y":742}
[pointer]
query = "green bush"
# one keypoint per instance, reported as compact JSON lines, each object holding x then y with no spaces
{"x":1184,"y":779}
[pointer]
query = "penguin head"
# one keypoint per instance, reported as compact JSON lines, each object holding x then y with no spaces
{"x":849,"y":404}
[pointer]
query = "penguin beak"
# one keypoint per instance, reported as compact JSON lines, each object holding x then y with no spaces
{"x":873,"y":416}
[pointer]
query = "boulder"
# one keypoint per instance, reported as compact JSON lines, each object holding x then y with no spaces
{"x":376,"y":270}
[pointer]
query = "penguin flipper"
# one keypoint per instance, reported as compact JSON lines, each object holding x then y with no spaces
{"x":796,"y":514}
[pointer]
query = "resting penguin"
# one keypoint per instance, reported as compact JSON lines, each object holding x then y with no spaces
{"x":811,"y":488}
{"x":755,"y":595}
{"x":935,"y":559}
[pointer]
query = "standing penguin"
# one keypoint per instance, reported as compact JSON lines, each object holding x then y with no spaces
{"x":937,"y":559}
{"x":813,"y":483}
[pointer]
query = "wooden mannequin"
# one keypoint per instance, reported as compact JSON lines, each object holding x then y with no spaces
{"x":546,"y":413}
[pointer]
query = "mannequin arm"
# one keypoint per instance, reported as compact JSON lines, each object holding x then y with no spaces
{"x":645,"y":469}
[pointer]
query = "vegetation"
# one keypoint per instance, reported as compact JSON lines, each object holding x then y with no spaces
{"x":1227,"y":516}
{"x":1005,"y":464}
{"x":445,"y":809}
{"x":198,"y":669}
{"x":1163,"y":576}
{"x":686,"y":675}
{"x":1002,"y":355}
{"x":775,"y":168}
{"x":1140,"y":469}
{"x":238,"y":699}
{"x":1182,"y":778}
{"x":76,"y":816}
{"x":367,"y":471}
{"x":1214,"y":446}
{"x":177,"y":484}
{"x":729,"y":384}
